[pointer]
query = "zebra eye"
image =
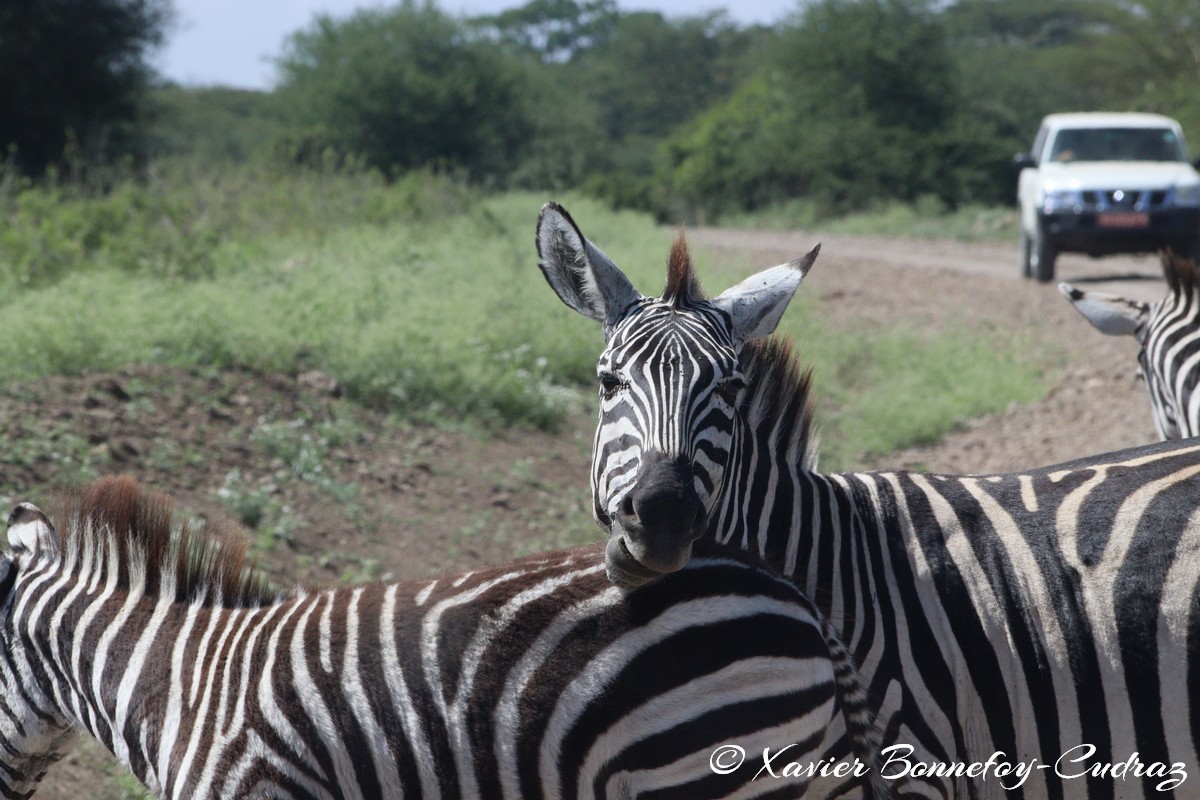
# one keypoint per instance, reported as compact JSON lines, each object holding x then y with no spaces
{"x":609,"y":384}
{"x":730,"y":389}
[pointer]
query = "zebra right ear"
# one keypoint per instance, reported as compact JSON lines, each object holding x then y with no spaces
{"x":1108,"y":313}
{"x":582,"y":276}
{"x":30,"y":532}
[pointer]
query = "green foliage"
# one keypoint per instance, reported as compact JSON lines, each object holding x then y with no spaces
{"x":418,"y":297}
{"x":403,"y":313}
{"x":406,"y":87}
{"x":735,"y":155}
{"x":886,"y":391}
{"x":213,"y":125}
{"x":73,"y":73}
{"x":865,"y":101}
{"x":54,"y":229}
{"x":191,"y":221}
{"x":927,"y":218}
{"x":554,"y":30}
{"x":656,"y":73}
{"x":847,"y":103}
{"x":855,"y":105}
{"x":1157,"y":48}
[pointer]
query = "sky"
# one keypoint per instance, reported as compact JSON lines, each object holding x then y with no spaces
{"x":233,"y":42}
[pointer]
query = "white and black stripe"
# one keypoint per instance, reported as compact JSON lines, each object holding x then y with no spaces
{"x":535,"y":679}
{"x":1026,"y":614}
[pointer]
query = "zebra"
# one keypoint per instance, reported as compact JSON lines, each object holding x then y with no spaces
{"x":1045,"y":618}
{"x":533,"y":679}
{"x":1168,"y":332}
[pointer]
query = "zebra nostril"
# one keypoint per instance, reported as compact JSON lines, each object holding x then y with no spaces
{"x":627,"y":509}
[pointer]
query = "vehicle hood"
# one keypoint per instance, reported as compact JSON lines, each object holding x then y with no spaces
{"x":1084,"y":175}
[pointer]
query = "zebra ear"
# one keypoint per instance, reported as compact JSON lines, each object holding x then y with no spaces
{"x":582,"y":276}
{"x":756,"y":304}
{"x":30,"y":532}
{"x":1108,"y":313}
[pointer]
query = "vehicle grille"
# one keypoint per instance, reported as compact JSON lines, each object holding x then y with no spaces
{"x":1124,"y":199}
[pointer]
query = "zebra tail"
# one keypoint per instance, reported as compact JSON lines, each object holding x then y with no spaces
{"x":860,"y":719}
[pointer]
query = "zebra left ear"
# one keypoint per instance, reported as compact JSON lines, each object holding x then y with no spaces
{"x":756,"y":304}
{"x":30,"y":532}
{"x":1108,"y":313}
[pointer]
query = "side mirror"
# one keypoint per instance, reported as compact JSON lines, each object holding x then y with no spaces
{"x":1024,"y":161}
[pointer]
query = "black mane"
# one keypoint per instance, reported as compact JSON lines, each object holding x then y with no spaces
{"x":778,"y":396}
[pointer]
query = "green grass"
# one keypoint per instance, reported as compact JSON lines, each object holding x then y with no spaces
{"x":928,"y":218}
{"x":885,"y":391}
{"x":447,"y":317}
{"x":423,"y":298}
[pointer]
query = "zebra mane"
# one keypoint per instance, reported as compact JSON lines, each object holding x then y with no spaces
{"x":1182,"y":273}
{"x":682,"y":287}
{"x":777,"y":398}
{"x":117,"y":525}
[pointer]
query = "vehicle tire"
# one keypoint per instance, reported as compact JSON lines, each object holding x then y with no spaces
{"x":1043,"y":255}
{"x":1026,"y":255}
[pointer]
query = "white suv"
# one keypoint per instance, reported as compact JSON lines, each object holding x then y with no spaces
{"x":1100,"y":183}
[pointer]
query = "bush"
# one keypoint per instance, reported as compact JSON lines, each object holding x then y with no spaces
{"x":190,"y":222}
{"x":407,"y":88}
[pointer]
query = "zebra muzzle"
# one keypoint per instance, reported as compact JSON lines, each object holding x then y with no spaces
{"x":623,"y":569}
{"x":656,"y":521}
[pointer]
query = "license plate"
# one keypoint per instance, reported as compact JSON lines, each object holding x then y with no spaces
{"x":1123,"y":219}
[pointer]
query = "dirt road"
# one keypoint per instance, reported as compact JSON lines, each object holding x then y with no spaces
{"x":1097,"y":405}
{"x":1132,"y":276}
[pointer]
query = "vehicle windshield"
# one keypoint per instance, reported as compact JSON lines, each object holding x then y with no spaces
{"x":1117,"y":144}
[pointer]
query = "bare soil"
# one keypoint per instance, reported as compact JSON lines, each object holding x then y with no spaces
{"x":374,"y":498}
{"x":1096,"y":404}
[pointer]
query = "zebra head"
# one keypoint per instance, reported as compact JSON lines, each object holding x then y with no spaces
{"x":670,"y":380}
{"x":1168,"y":332}
{"x":33,"y":733}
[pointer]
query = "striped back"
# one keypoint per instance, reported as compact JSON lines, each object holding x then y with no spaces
{"x":537,"y":678}
{"x":1168,"y":332}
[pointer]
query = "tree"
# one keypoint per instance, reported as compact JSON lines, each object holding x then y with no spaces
{"x":854,"y":106}
{"x":656,"y":73}
{"x":1163,"y":39}
{"x":212,"y":124}
{"x":555,"y":30}
{"x":408,"y":87}
{"x":73,"y":70}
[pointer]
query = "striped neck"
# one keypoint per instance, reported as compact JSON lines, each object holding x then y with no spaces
{"x":87,"y":610}
{"x":1170,"y":352}
{"x":774,"y":503}
{"x":108,"y":652}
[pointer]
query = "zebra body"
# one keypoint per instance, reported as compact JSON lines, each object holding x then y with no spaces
{"x":535,"y":679}
{"x":1027,"y":614}
{"x":1168,"y":332}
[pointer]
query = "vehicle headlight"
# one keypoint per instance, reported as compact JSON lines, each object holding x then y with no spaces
{"x":1188,"y":195}
{"x":1060,"y":200}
